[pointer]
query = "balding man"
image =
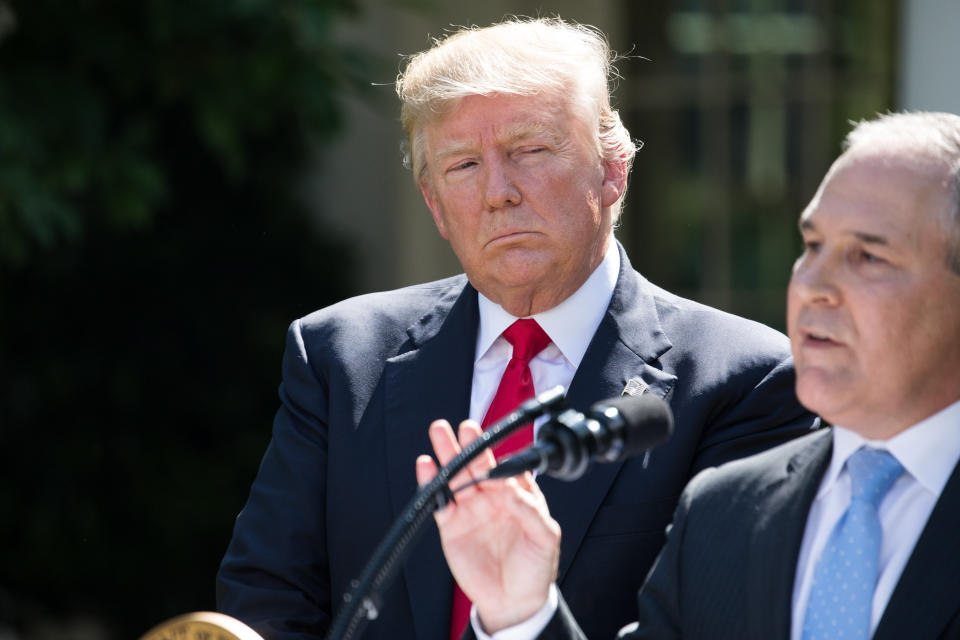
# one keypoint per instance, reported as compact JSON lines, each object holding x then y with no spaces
{"x":523,"y":164}
{"x":850,"y":532}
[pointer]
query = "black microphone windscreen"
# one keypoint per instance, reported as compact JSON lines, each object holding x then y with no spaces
{"x":648,"y":420}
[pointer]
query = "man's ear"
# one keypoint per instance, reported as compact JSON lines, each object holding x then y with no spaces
{"x":430,"y":197}
{"x":614,"y":180}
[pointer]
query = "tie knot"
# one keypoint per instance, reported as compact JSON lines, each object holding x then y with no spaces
{"x":527,"y":338}
{"x":872,"y":473}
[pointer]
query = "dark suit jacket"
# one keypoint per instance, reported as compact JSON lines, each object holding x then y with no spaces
{"x":727,"y":570}
{"x":363,"y":379}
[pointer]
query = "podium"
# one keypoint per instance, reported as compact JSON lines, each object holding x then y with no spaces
{"x":202,"y":625}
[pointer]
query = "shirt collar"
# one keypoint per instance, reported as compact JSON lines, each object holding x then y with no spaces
{"x":571,"y":324}
{"x":928,"y":451}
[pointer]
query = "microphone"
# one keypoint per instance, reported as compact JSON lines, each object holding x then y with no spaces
{"x":612,"y":430}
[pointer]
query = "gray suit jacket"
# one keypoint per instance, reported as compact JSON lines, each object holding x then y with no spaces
{"x":363,"y":379}
{"x":727,"y":570}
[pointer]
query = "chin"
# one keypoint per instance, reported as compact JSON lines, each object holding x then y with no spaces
{"x":836,"y":406}
{"x":822,"y":395}
{"x":522,"y":275}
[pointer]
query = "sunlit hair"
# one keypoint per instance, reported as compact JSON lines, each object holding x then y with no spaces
{"x":930,"y":135}
{"x":521,"y":56}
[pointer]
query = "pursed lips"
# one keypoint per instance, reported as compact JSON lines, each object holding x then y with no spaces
{"x":509,"y":235}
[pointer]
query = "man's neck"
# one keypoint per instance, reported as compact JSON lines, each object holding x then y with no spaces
{"x":570,"y":324}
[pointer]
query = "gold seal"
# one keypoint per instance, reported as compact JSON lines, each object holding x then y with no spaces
{"x":202,"y":625}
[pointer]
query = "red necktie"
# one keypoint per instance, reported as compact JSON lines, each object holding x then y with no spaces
{"x":516,"y":386}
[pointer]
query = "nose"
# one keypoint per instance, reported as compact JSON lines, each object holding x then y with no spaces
{"x":814,"y":278}
{"x":498,"y":187}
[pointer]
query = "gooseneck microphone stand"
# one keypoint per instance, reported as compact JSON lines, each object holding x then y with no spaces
{"x":364,"y":600}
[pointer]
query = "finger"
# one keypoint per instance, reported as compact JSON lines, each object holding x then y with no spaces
{"x":446,"y":448}
{"x":426,"y":470}
{"x":534,"y":518}
{"x":481,"y":465}
{"x":528,"y":484}
{"x":469,"y":431}
{"x":444,"y":443}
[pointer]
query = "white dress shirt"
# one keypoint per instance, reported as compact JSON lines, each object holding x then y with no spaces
{"x":570,"y":325}
{"x":928,"y":451}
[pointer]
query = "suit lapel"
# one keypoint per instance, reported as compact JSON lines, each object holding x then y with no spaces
{"x":782,"y":510}
{"x":440,"y":360}
{"x":927,"y":596}
{"x":626,"y":346}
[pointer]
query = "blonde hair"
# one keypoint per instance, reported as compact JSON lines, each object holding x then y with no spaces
{"x":520,"y":56}
{"x":931,"y":135}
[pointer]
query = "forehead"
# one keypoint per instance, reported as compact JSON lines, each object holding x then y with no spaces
{"x":899,"y":197}
{"x":499,"y":118}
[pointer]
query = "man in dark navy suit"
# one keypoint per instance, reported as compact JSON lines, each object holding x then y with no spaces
{"x":523,"y":164}
{"x":849,"y":532}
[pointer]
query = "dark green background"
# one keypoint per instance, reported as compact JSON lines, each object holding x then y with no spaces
{"x":151,"y":256}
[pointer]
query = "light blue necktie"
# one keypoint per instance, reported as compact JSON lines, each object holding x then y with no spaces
{"x":841,"y":596}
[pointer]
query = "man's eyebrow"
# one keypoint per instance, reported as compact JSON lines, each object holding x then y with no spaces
{"x":871,"y":238}
{"x":513,"y":133}
{"x":863,"y":236}
{"x":527,"y":130}
{"x":453,"y":149}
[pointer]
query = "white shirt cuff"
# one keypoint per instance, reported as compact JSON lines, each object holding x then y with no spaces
{"x":526,"y":630}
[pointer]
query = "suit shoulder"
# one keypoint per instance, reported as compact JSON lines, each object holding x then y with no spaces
{"x":747,"y":476}
{"x":703,"y":325}
{"x":397,"y":307}
{"x":374,"y":325}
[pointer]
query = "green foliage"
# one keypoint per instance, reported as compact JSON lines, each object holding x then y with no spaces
{"x":151,"y":255}
{"x":86,"y":89}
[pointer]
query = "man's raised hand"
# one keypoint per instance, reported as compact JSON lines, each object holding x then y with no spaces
{"x":500,"y":542}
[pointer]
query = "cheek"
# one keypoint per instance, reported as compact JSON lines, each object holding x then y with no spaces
{"x":917,"y":329}
{"x":882,"y":334}
{"x":454,"y":212}
{"x":793,"y":309}
{"x":564,"y":181}
{"x":792,"y":305}
{"x":441,"y":224}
